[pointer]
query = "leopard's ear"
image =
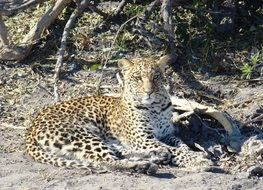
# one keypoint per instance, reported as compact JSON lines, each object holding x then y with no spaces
{"x":166,"y":60}
{"x":125,"y":64}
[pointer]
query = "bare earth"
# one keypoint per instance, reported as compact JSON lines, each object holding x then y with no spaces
{"x":18,"y":171}
{"x":21,"y":96}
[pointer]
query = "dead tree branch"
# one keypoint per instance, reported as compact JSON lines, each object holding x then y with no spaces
{"x":45,"y":21}
{"x":19,"y":52}
{"x":167,"y":14}
{"x":80,"y":8}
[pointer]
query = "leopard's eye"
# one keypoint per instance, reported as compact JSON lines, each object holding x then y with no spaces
{"x":137,"y":77}
{"x":156,"y":77}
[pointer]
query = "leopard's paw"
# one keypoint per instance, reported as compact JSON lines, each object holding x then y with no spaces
{"x":146,"y":167}
{"x":161,"y":156}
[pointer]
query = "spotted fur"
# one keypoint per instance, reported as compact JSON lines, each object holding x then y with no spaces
{"x":77,"y":133}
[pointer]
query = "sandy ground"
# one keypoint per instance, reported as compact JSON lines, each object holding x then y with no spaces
{"x":19,"y":171}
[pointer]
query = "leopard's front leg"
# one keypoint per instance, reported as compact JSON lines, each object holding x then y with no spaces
{"x":181,"y":155}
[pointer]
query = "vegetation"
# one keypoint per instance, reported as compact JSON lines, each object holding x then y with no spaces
{"x":215,"y":37}
{"x":248,"y":68}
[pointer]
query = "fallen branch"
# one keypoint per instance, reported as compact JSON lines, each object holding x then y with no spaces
{"x":229,"y":125}
{"x":149,"y":36}
{"x":80,"y":8}
{"x":167,"y":28}
{"x":19,"y":52}
{"x":107,"y":17}
{"x":258,"y":98}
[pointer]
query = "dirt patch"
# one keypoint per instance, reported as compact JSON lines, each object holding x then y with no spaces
{"x":19,"y":171}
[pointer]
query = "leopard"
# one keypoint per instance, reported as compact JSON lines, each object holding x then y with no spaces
{"x":79,"y":133}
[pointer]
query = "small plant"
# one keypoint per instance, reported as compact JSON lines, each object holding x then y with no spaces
{"x":120,"y":45}
{"x":133,"y":10}
{"x":124,"y":40}
{"x":93,"y":67}
{"x":248,"y":68}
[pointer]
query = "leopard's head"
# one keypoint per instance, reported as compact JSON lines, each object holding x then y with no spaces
{"x":143,"y":80}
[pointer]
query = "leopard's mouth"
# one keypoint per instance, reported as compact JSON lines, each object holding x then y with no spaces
{"x":147,"y":98}
{"x":144,"y":98}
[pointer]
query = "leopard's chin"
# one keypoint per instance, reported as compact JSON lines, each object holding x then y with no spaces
{"x":146,"y":100}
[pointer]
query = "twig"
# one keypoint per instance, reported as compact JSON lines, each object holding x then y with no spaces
{"x":158,"y":27}
{"x":152,"y":37}
{"x":259,"y":79}
{"x":258,"y":118}
{"x":167,"y":29}
{"x":109,"y":53}
{"x":260,"y":97}
{"x":46,"y":90}
{"x":80,"y":8}
{"x":109,"y":17}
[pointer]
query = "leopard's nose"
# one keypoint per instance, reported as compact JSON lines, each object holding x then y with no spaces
{"x":147,"y":90}
{"x":147,"y":87}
